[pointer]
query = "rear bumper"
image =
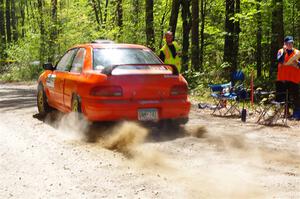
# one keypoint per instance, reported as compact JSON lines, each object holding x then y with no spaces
{"x":112,"y":110}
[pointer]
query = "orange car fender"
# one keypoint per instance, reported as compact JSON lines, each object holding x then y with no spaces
{"x":82,"y":86}
{"x":43,"y":79}
{"x":86,"y":82}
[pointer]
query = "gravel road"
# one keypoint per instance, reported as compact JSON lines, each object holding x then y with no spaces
{"x":211,"y":157}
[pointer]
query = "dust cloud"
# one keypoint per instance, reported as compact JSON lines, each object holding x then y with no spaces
{"x":129,"y":139}
{"x":218,"y":182}
{"x":151,"y":159}
{"x":125,"y":138}
{"x":72,"y":126}
{"x":198,"y":132}
{"x":234,"y":179}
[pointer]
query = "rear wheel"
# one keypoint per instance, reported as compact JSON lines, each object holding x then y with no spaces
{"x":76,"y":104}
{"x":42,"y":101}
{"x":81,"y":120}
{"x":76,"y":107}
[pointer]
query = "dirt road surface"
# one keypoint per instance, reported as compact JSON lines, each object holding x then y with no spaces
{"x":211,"y":157}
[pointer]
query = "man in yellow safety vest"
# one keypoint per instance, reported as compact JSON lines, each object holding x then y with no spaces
{"x":170,"y":53}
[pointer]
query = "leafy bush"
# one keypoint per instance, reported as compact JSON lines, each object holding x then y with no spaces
{"x":23,"y":53}
{"x":22,"y":72}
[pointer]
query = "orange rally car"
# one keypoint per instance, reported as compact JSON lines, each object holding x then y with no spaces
{"x":109,"y":82}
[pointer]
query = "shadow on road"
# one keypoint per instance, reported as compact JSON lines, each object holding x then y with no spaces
{"x":16,"y":98}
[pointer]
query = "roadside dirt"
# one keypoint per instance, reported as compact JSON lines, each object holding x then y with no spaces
{"x":211,"y":157}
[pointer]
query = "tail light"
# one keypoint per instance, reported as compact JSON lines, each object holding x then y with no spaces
{"x":107,"y":91}
{"x":179,"y":90}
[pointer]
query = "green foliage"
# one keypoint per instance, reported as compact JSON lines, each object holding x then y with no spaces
{"x":22,"y":72}
{"x":25,"y":54}
{"x":76,"y":23}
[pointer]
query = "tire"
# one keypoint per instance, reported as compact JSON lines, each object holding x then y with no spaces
{"x":76,"y":104}
{"x":42,"y":101}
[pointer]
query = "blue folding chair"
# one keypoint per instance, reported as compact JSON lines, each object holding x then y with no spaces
{"x":227,"y":96}
{"x":237,"y":77}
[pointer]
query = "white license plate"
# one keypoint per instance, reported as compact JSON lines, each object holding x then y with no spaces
{"x":149,"y":114}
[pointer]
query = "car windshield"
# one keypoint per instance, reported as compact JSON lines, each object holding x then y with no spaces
{"x":103,"y":57}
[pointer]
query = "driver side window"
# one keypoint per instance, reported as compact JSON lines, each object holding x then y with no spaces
{"x":65,"y":62}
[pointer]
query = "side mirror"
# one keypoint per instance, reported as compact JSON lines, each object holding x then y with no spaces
{"x":48,"y":66}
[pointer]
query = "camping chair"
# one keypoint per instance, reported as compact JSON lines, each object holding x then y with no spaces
{"x":227,"y":96}
{"x":221,"y":93}
{"x":274,"y":110}
{"x":260,"y":98}
{"x":237,"y":79}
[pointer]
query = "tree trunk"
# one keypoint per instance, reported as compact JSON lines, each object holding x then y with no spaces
{"x":258,"y":40}
{"x":100,"y":11}
{"x":195,"y":35}
{"x":162,"y":22}
{"x":31,"y":11}
{"x":2,"y":31}
{"x":236,"y":34}
{"x":277,"y":34}
{"x":22,"y":13}
{"x":94,"y":5}
{"x":53,"y":34}
{"x":14,"y":21}
{"x":298,"y":24}
{"x":149,"y":24}
{"x":174,"y":16}
{"x":42,"y":30}
{"x":203,"y":15}
{"x":8,"y":25}
{"x":293,"y":17}
{"x":186,"y":27}
{"x":105,"y":13}
{"x":229,"y":37}
{"x":120,"y":17}
{"x":135,"y":18}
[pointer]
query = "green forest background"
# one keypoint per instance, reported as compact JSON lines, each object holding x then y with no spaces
{"x":217,"y":37}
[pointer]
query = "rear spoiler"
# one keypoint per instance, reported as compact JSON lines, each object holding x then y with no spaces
{"x":108,"y":70}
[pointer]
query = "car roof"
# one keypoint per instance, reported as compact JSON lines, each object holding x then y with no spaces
{"x":107,"y":45}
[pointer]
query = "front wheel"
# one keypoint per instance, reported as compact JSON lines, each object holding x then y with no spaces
{"x":42,"y":101}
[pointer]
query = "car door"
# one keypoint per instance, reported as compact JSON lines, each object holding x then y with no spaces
{"x":71,"y":80}
{"x":59,"y":75}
